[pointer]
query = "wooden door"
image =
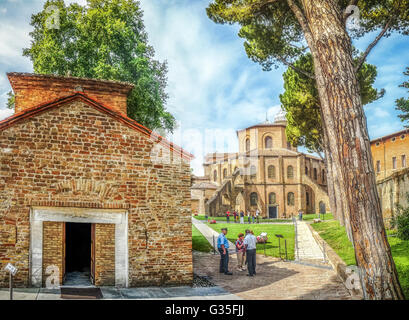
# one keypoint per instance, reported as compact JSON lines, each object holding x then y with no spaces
{"x":272,"y":212}
{"x":64,"y":251}
{"x":92,"y":271}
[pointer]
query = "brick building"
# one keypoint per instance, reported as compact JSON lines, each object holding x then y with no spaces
{"x":267,"y":174}
{"x":85,"y":188}
{"x":389,"y":154}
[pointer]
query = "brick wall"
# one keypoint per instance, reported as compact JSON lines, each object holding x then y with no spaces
{"x":385,"y":149}
{"x":44,"y":158}
{"x":33,"y":89}
{"x":53,"y":248}
{"x":105,"y":254}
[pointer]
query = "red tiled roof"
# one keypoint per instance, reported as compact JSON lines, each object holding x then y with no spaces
{"x":28,"y":113}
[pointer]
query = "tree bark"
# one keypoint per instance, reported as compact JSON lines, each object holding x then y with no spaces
{"x":348,"y":144}
{"x":338,"y":200}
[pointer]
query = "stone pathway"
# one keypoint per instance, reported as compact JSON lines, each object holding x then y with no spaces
{"x":308,"y":249}
{"x":275,"y":279}
{"x":112,"y":293}
{"x":209,"y":233}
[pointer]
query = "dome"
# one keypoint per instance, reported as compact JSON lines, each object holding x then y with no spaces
{"x":280,"y":117}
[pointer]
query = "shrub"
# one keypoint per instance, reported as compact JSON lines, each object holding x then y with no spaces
{"x":401,"y":222}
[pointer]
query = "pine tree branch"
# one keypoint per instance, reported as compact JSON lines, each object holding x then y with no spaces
{"x":373,"y":44}
{"x":302,"y":20}
{"x":289,"y":64}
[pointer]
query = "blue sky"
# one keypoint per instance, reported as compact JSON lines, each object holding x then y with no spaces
{"x":214,"y":88}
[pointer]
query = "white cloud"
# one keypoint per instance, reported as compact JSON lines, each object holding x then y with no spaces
{"x":4,"y":113}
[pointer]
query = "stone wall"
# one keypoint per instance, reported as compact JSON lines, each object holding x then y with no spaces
{"x":393,"y":190}
{"x":74,"y":155}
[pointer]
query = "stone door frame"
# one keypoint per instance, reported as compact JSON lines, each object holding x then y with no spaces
{"x":119,"y":217}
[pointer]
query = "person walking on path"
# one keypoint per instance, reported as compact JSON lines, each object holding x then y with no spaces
{"x":248,"y":216}
{"x":258,"y":216}
{"x":235,"y":216}
{"x":242,"y":217}
{"x":300,"y":214}
{"x":223,"y":247}
{"x":250,"y":242}
{"x":228,"y":216}
{"x":240,"y":250}
{"x":253,"y":217}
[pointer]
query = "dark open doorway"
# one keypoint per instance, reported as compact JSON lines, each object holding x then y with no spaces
{"x":78,"y":252}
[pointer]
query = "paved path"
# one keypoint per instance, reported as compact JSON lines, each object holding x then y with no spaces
{"x":275,"y":279}
{"x":208,"y":233}
{"x":308,"y":249}
{"x":112,"y":293}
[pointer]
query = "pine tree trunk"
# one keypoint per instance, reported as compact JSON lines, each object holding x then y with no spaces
{"x":338,"y":200}
{"x":348,"y":141}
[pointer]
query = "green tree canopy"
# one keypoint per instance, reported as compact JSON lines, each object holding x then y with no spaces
{"x":402,"y":104}
{"x":105,"y":39}
{"x":273,"y":33}
{"x":301,"y":102}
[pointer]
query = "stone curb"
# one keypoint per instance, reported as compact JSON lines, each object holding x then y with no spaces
{"x":342,"y":270}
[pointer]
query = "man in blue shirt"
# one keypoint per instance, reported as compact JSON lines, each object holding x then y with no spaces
{"x":223,"y":247}
{"x":250,"y":241}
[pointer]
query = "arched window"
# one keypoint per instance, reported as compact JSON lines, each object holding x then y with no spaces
{"x":247,"y":144}
{"x":315,"y":174}
{"x":253,"y":172}
{"x":272,"y":198}
{"x":306,"y":171}
{"x":307,"y":197}
{"x":271,"y":172}
{"x":253,"y":199}
{"x":268,"y":142}
{"x":224,"y":173}
{"x":323,"y":175}
{"x":322,"y":207}
{"x":215,"y":175}
{"x":290,"y":172}
{"x":290,"y":199}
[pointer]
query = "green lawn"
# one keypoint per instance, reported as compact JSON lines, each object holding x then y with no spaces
{"x":223,"y":219}
{"x":272,"y":245}
{"x":334,"y":234}
{"x":199,"y":242}
{"x":400,"y":253}
{"x":308,"y":217}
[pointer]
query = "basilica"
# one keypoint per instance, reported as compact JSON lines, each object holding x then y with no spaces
{"x":267,"y":173}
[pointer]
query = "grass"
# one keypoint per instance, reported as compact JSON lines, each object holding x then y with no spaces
{"x":334,"y":234}
{"x":324,"y":217}
{"x":223,"y":219}
{"x":272,"y":244}
{"x":199,"y":242}
{"x":400,"y":253}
